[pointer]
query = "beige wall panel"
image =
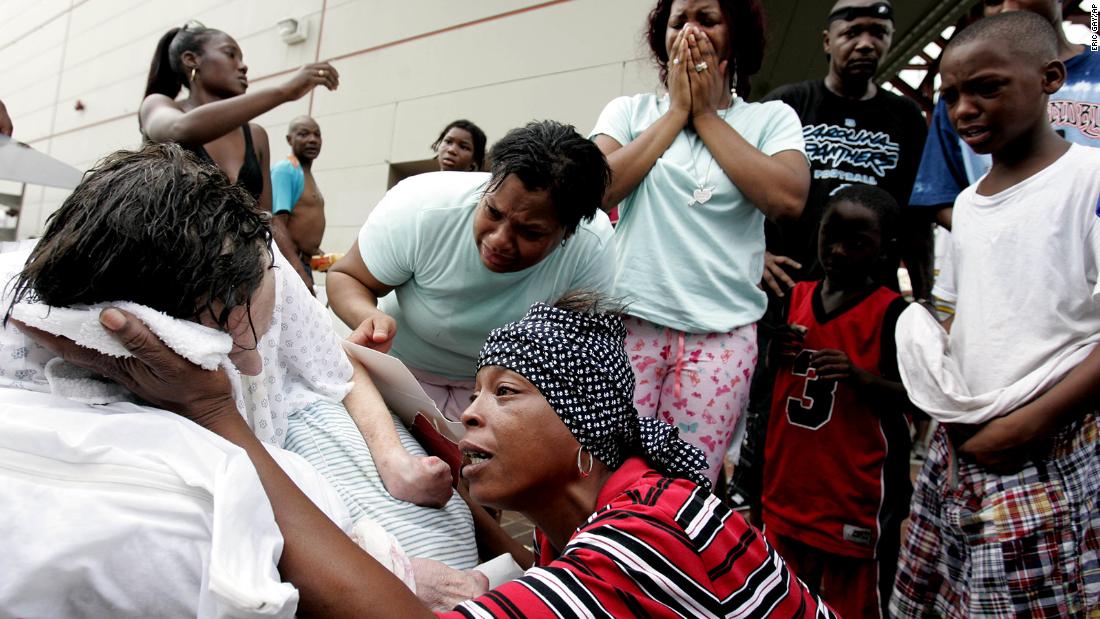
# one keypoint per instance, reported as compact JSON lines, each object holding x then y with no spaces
{"x":49,"y":37}
{"x":360,"y":24}
{"x":265,"y":53}
{"x":85,"y":147}
{"x":640,"y":76}
{"x":46,"y":209}
{"x":122,"y":64}
{"x":28,"y":217}
{"x":102,"y":104}
{"x":351,"y":194}
{"x":519,"y":47}
{"x":33,"y":98}
{"x":339,"y":239}
{"x":30,"y":71}
{"x":142,"y":22}
{"x":505,"y":106}
{"x":278,"y":118}
{"x":245,"y":18}
{"x":356,"y":138}
{"x":21,"y":18}
{"x":33,"y":127}
{"x":91,"y":15}
{"x":126,"y":21}
{"x":51,"y":201}
{"x":253,"y":25}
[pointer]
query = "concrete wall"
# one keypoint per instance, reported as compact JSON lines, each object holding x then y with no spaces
{"x":407,"y":68}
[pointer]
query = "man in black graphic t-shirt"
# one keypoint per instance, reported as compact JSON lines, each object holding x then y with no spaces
{"x":855,"y":132}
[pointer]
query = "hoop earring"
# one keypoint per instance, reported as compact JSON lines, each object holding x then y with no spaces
{"x":192,"y":74}
{"x":591,"y":462}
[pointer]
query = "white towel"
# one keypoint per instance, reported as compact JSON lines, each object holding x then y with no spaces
{"x":302,"y":358}
{"x":935,"y":382}
{"x":203,"y":346}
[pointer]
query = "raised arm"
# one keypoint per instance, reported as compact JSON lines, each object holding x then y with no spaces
{"x":163,"y":121}
{"x":776,"y":184}
{"x":631,"y":163}
{"x":353,"y":293}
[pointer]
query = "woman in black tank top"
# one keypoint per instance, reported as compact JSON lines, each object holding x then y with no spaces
{"x":214,"y":120}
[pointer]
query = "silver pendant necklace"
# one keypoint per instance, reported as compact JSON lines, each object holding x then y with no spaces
{"x":703,"y":193}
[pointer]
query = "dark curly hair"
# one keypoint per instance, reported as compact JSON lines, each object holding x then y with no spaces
{"x":475,"y":132}
{"x":157,"y":227}
{"x":746,"y":22}
{"x":553,"y":156}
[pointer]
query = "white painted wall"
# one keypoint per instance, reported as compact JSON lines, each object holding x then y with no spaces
{"x":407,"y":68}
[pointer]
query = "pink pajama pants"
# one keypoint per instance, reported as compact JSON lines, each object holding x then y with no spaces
{"x":698,"y":382}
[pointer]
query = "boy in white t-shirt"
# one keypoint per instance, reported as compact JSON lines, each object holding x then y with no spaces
{"x":1005,"y":520}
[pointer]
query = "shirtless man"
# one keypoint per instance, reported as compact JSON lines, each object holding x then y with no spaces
{"x":295,"y":196}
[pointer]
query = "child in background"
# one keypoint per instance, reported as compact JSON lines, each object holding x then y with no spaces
{"x":1005,"y":521}
{"x":836,"y":483}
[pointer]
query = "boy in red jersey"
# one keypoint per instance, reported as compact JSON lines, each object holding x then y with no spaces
{"x":836,"y":483}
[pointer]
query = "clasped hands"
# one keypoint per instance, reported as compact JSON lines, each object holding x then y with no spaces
{"x":695,"y":93}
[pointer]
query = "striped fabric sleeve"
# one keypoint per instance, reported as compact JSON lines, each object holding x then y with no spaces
{"x":700,"y":561}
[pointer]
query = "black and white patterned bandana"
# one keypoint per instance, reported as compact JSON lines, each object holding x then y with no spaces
{"x":578,"y":363}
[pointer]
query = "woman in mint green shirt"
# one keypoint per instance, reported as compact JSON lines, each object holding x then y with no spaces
{"x":694,"y":173}
{"x":466,"y":252}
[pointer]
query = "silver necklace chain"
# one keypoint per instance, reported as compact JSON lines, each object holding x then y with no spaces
{"x":702,"y":193}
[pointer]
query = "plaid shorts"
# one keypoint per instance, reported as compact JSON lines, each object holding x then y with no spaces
{"x":1023,"y":545}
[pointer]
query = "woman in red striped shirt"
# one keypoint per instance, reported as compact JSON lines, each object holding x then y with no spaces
{"x":626,"y":523}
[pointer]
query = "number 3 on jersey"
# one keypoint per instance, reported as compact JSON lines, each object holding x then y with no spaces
{"x":815,"y":408}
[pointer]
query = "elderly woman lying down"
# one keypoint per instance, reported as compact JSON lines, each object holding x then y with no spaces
{"x":110,"y":509}
{"x":626,"y":525}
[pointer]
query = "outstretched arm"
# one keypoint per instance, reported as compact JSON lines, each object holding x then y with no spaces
{"x":163,"y":121}
{"x":335,"y":578}
{"x":353,"y":293}
{"x":421,"y":480}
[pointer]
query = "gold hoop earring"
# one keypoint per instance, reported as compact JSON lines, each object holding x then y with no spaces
{"x":585,"y":472}
{"x":192,"y":74}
